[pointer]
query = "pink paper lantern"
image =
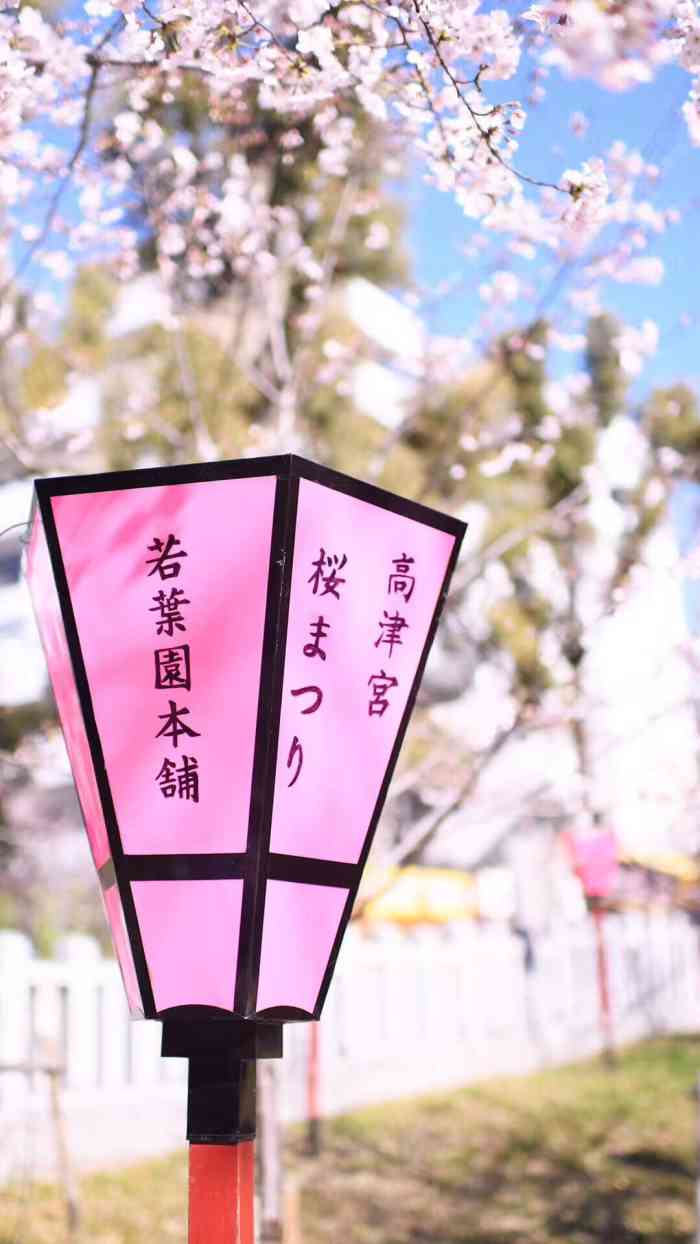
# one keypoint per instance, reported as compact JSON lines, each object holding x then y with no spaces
{"x":235,"y":649}
{"x":596,"y":861}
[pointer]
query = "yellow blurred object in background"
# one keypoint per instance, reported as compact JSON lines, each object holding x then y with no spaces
{"x":421,"y":896}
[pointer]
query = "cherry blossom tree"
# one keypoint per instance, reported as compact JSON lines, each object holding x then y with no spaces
{"x":79,"y":138}
{"x":239,"y":151}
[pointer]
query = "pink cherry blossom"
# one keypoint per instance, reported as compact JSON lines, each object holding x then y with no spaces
{"x":424,"y":70}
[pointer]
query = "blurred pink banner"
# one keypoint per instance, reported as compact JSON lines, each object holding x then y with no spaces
{"x":595,"y":858}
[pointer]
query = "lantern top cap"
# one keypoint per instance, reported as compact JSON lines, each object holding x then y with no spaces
{"x":285,"y":466}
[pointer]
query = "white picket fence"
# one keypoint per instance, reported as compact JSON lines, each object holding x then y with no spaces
{"x":406,"y":1014}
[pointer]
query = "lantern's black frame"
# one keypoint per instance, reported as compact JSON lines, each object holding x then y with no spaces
{"x":257,"y":864}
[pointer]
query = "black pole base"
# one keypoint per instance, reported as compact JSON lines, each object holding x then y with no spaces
{"x":221,"y":1076}
{"x":238,"y":1037}
{"x":220,"y":1100}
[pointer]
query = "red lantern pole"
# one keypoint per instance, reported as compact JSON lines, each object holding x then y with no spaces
{"x":222,"y":1194}
{"x":221,"y":1131}
{"x":598,"y":914}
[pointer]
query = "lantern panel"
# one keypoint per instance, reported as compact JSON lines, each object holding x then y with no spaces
{"x":299,"y":929}
{"x":190,"y":932}
{"x":174,"y":679}
{"x":365,"y":584}
{"x":120,"y":938}
{"x":48,"y":611}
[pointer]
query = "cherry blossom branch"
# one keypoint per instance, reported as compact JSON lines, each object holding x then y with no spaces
{"x":484,"y":134}
{"x":511,"y":539}
{"x":12,"y":527}
{"x":66,"y":179}
{"x":293,"y":383}
{"x":149,"y":66}
{"x":204,"y":444}
{"x":417,"y":839}
{"x":268,"y":30}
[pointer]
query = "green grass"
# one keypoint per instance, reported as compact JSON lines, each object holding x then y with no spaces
{"x":573,"y":1156}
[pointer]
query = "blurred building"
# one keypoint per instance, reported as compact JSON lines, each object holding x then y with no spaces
{"x":639,"y":676}
{"x":639,"y":690}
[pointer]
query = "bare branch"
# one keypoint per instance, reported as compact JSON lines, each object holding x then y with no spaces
{"x":510,"y":539}
{"x":484,"y":134}
{"x":204,"y":444}
{"x":428,"y":826}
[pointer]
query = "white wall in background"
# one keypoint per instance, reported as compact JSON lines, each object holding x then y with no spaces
{"x":404,"y":1015}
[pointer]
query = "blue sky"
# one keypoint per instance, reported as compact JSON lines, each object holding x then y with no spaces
{"x":648,"y":119}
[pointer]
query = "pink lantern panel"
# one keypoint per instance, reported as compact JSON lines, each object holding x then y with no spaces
{"x":299,"y":930}
{"x":190,"y":932}
{"x":52,"y":630}
{"x":365,"y":584}
{"x":171,"y":638}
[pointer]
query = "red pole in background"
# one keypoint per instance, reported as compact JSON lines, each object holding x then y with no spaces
{"x":312,"y":1091}
{"x":222,"y":1194}
{"x":598,"y":915}
{"x":595,"y":856}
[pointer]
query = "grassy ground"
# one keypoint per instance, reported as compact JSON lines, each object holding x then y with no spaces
{"x":581,"y":1155}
